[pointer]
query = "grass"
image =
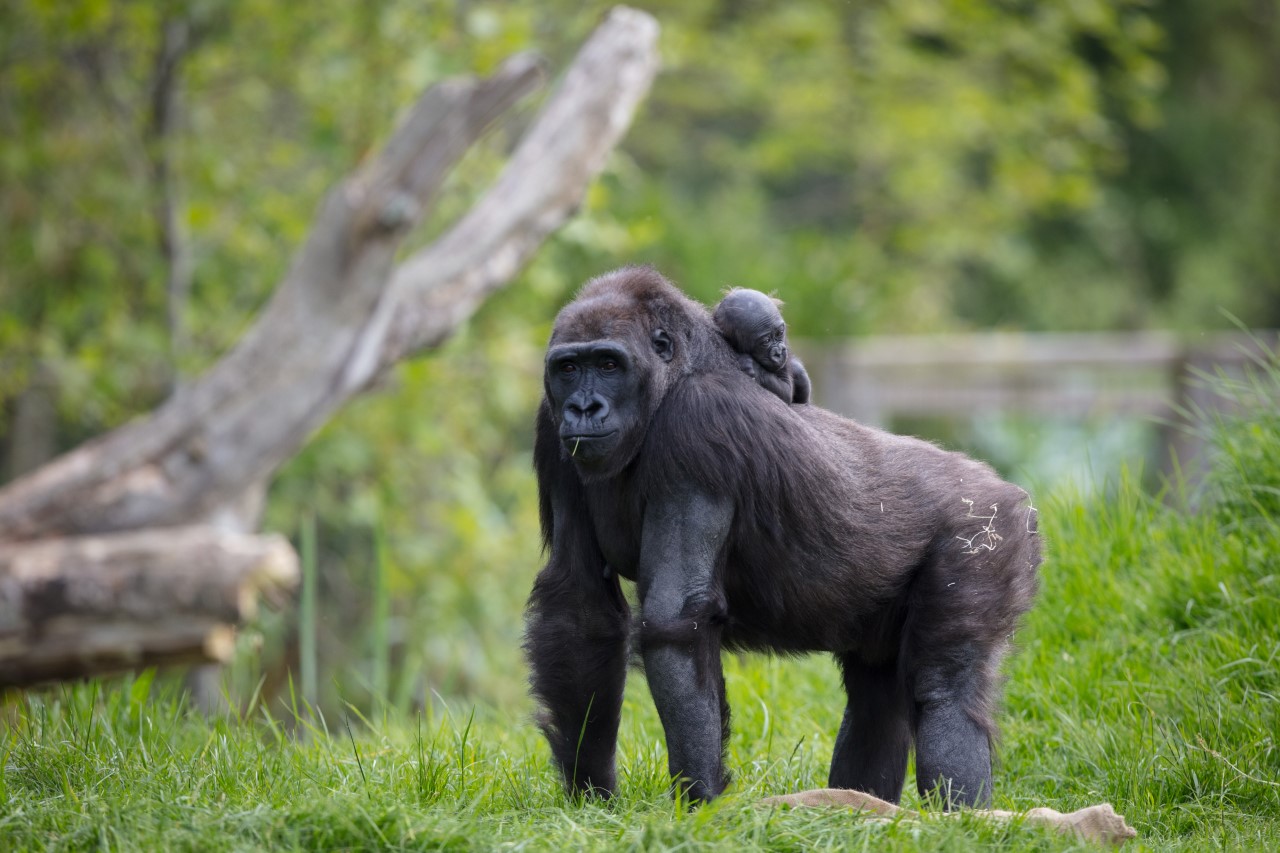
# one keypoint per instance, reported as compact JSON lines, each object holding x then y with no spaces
{"x":1148,"y":675}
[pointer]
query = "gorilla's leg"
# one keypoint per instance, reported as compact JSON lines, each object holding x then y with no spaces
{"x":963,"y":608}
{"x":682,"y":612}
{"x":871,"y":748}
{"x":952,"y":732}
{"x":576,"y":640}
{"x":682,"y":665}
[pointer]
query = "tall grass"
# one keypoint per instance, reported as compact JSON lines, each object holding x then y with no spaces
{"x":1148,"y":675}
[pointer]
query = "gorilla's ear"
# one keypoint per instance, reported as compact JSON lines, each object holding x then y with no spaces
{"x":662,"y":345}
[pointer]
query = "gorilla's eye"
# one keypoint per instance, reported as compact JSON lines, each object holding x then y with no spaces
{"x":608,"y":366}
{"x":568,"y":368}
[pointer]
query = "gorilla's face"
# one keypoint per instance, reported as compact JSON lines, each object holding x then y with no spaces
{"x":593,"y":387}
{"x":601,"y":395}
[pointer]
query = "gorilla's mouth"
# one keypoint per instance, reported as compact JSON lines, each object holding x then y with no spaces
{"x":585,"y":443}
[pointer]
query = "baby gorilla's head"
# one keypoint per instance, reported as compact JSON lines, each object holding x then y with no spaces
{"x":751,"y":322}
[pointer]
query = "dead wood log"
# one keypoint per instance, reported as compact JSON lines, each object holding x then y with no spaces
{"x":93,"y":604}
{"x":344,"y":314}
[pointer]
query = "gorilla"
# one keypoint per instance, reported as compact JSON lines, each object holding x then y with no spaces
{"x":752,"y":324}
{"x":746,"y":523}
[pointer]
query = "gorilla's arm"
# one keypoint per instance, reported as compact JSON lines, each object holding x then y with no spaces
{"x":577,"y":628}
{"x":800,"y":380}
{"x":682,"y":615}
{"x":778,"y":384}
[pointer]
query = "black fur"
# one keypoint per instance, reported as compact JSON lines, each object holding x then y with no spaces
{"x":751,"y":524}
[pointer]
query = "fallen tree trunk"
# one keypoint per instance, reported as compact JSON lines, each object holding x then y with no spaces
{"x":93,"y":604}
{"x":344,"y":315}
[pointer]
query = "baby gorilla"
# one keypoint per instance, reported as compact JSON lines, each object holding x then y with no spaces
{"x":751,"y":323}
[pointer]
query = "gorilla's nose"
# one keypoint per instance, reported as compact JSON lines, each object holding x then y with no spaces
{"x":594,"y":408}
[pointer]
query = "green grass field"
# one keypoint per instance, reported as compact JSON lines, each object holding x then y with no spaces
{"x":1148,"y":676}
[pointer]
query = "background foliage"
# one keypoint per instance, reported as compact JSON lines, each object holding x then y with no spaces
{"x":917,"y":165}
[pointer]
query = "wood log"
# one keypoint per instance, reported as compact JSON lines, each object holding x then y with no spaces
{"x":89,"y":605}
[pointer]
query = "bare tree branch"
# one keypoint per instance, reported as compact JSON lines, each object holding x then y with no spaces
{"x":254,"y":408}
{"x":437,"y":289}
{"x":336,"y":322}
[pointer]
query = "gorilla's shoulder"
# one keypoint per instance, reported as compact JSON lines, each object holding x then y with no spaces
{"x":721,"y":428}
{"x":724,"y":401}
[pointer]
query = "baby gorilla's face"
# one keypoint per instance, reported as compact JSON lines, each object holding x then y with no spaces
{"x":770,"y":346}
{"x":752,"y":323}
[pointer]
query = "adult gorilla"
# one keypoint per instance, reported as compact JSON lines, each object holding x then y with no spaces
{"x":748,"y":523}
